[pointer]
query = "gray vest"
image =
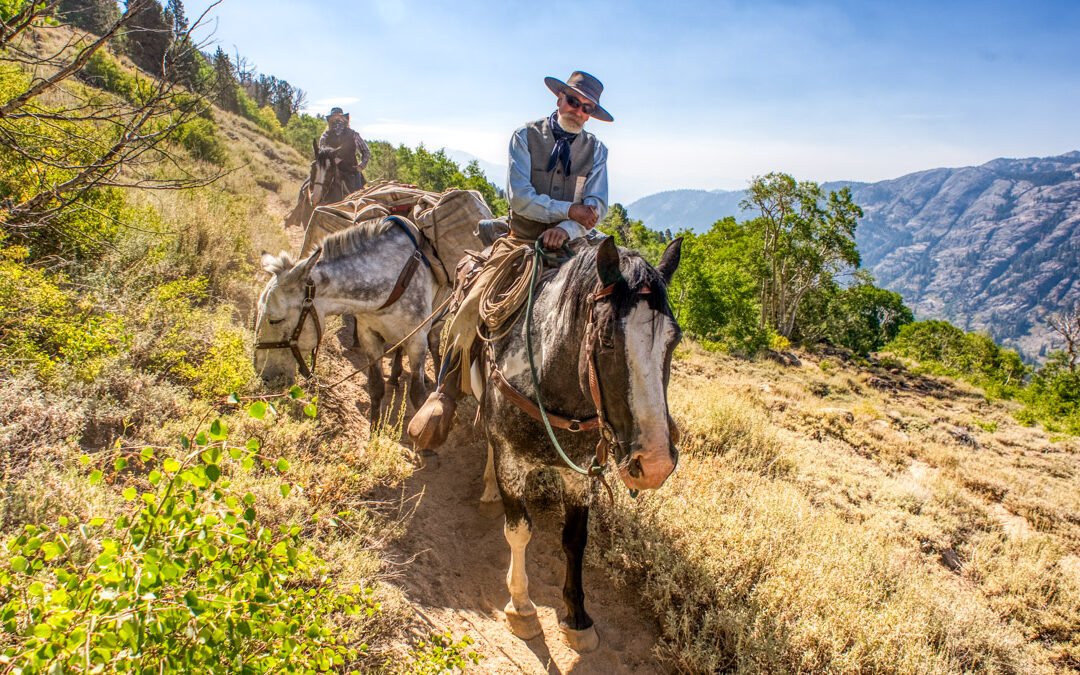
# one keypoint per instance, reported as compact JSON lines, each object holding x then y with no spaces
{"x":555,"y":183}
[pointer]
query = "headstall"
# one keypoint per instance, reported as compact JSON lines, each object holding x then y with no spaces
{"x":292,"y":344}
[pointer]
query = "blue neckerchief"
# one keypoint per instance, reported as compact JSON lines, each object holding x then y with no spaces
{"x":563,"y":139}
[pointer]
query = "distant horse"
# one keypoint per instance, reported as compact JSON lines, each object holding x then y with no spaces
{"x":603,"y":341}
{"x":325,"y":185}
{"x":357,"y":271}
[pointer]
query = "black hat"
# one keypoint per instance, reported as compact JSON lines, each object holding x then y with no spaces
{"x":585,"y":86}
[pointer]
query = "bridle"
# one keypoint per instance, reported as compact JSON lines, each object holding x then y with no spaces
{"x":293,"y":342}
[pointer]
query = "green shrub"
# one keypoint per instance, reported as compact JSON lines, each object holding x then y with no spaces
{"x":105,"y":72}
{"x":302,"y":130}
{"x":440,"y":654}
{"x":196,"y":345}
{"x":42,"y":325}
{"x":200,"y":138}
{"x":944,"y":349}
{"x":264,"y":117}
{"x":187,"y":578}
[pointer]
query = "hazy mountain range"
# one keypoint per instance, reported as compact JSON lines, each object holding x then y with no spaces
{"x":993,"y":247}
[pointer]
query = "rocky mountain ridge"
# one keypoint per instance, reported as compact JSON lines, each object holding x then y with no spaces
{"x":994,"y":247}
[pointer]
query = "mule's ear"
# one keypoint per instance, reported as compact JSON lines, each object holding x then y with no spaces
{"x":304,"y":267}
{"x":315,"y":147}
{"x":607,"y":262}
{"x":669,"y":262}
{"x":276,"y":264}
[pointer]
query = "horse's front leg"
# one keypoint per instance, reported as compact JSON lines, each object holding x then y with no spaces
{"x":371,"y":346}
{"x":520,"y":611}
{"x":417,"y":348}
{"x":577,"y":627}
{"x":491,"y":486}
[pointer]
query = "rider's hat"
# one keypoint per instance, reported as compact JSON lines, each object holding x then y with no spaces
{"x":337,"y":112}
{"x":585,"y":86}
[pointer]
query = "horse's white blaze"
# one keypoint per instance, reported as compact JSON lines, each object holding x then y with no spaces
{"x":517,"y":581}
{"x":647,"y":336}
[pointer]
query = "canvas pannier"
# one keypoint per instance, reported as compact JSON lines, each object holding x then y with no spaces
{"x":448,"y":221}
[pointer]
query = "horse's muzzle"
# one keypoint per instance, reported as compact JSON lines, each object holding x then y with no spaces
{"x":647,"y":470}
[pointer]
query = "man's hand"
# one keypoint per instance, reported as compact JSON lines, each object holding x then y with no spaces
{"x":586,"y":215}
{"x":553,"y":238}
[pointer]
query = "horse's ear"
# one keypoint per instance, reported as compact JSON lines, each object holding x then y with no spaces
{"x":276,"y":264}
{"x":315,"y":146}
{"x":669,"y":262}
{"x":304,"y":267}
{"x":607,"y":262}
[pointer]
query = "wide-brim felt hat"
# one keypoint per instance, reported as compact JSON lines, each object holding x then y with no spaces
{"x":585,"y":86}
{"x":338,"y":112}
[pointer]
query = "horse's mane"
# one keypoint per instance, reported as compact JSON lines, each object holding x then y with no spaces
{"x":636,"y":272}
{"x":354,"y":239}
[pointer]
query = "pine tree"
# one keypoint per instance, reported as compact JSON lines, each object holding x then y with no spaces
{"x":226,"y":88}
{"x":175,"y":16}
{"x":149,"y":38}
{"x":95,"y":16}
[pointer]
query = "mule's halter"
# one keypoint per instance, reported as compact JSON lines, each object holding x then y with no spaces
{"x":293,"y":343}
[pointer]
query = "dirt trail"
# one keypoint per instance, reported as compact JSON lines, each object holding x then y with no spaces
{"x":458,"y":578}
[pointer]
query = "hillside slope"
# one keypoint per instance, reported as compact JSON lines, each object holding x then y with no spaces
{"x":993,"y":247}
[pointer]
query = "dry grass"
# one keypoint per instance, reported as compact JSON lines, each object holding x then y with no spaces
{"x":820,"y":524}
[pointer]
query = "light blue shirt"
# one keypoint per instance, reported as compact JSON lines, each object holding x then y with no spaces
{"x":525,"y":201}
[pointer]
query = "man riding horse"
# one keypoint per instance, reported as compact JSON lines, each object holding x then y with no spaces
{"x":335,"y":172}
{"x":557,"y":189}
{"x":343,"y":143}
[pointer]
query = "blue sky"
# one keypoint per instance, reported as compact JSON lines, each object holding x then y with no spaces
{"x":704,"y":94}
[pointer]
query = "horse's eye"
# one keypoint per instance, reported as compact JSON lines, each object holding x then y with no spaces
{"x":274,"y":322}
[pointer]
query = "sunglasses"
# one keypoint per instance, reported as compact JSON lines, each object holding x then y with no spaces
{"x":577,"y":103}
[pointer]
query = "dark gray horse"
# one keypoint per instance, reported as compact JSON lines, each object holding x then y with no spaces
{"x":354,"y":273}
{"x":634,"y":333}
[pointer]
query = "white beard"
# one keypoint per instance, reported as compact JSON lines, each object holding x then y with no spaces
{"x":570,"y":125}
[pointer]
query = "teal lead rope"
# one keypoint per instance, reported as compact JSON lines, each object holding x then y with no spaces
{"x":538,"y":257}
{"x":596,"y":470}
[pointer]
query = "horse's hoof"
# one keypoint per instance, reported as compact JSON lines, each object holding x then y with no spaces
{"x":525,"y":625}
{"x":491,"y":496}
{"x":429,"y":459}
{"x":580,"y":641}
